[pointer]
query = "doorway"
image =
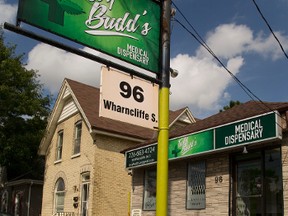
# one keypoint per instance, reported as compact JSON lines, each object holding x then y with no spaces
{"x":257,"y":183}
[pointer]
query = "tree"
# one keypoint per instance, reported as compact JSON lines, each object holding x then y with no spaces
{"x":231,"y":104}
{"x":23,"y":115}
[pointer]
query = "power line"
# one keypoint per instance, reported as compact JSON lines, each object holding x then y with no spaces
{"x":200,"y":40}
{"x":271,"y":30}
{"x":202,"y":43}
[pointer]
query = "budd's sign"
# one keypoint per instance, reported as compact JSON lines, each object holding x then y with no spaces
{"x":125,"y":29}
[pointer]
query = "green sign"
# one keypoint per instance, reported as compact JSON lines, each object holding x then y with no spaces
{"x":247,"y":131}
{"x":256,"y":129}
{"x":125,"y":29}
{"x":141,"y":156}
{"x":181,"y":147}
{"x":192,"y":144}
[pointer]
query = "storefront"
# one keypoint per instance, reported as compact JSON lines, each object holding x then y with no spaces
{"x":235,"y":168}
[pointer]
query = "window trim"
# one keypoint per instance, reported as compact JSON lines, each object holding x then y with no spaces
{"x":58,"y":154}
{"x":195,"y":168}
{"x":260,"y":155}
{"x":153,"y":198}
{"x":77,"y":139}
{"x":56,"y":194}
{"x":85,"y":182}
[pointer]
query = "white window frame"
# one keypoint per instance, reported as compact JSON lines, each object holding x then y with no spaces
{"x":85,"y":186}
{"x":59,"y":147}
{"x":57,"y":195}
{"x":77,"y":138}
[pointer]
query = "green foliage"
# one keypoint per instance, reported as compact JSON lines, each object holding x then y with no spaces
{"x":23,"y":115}
{"x":231,"y":104}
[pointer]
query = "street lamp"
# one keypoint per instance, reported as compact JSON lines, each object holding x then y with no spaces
{"x":173,"y":72}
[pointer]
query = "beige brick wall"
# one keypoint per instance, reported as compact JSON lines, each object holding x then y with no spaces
{"x":109,"y":182}
{"x":69,"y":168}
{"x":216,"y":200}
{"x":112,"y":182}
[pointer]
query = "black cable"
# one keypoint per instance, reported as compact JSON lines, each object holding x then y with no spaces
{"x":247,"y":90}
{"x":202,"y":43}
{"x":258,"y":9}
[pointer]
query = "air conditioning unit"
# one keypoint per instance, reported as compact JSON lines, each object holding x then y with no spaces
{"x":136,"y":212}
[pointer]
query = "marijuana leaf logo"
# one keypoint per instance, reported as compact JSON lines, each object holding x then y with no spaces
{"x":57,"y":9}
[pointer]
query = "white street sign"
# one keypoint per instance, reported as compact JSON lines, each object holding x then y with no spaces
{"x":128,"y":98}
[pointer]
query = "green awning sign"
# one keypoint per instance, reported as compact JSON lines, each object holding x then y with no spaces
{"x":191,"y":144}
{"x":127,"y":30}
{"x":252,"y":130}
{"x":177,"y":148}
{"x":261,"y":128}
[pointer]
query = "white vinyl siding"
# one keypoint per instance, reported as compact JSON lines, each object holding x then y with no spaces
{"x":68,"y":110}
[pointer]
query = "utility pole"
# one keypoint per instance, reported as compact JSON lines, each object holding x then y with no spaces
{"x":163,"y":122}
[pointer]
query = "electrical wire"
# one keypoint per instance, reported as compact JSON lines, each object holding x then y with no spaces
{"x":202,"y":43}
{"x":200,"y":40}
{"x":271,"y":30}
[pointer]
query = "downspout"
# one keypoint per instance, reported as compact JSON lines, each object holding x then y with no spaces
{"x":29,"y":199}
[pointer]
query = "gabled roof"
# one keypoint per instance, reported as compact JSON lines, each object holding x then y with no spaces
{"x":183,"y":115}
{"x":86,"y":100}
{"x":242,"y":111}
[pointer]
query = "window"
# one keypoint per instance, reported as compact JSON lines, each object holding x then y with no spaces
{"x":59,"y":145}
{"x":150,"y":190}
{"x":59,"y":195}
{"x":4,"y":202}
{"x":257,"y":185}
{"x":18,"y":203}
{"x":77,"y":137}
{"x":196,"y":187}
{"x":85,"y":194}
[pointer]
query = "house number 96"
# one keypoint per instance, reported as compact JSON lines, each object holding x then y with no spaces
{"x":218,"y":179}
{"x":127,"y":91}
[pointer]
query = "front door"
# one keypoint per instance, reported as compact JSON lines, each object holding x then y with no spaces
{"x":257,"y":185}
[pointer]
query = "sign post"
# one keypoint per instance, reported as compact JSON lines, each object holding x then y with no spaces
{"x":163,"y":123}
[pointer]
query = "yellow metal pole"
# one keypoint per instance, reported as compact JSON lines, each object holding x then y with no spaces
{"x":163,"y":121}
{"x":162,"y":154}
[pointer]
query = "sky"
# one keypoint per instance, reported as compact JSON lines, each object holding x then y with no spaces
{"x":234,"y":31}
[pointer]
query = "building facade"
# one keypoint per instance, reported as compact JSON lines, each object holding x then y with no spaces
{"x":232,"y":163}
{"x":84,"y":169}
{"x":21,"y":197}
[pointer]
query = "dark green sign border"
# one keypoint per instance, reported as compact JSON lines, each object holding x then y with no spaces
{"x":255,"y":129}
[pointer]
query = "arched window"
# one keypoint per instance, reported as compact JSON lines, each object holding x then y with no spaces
{"x":59,"y":195}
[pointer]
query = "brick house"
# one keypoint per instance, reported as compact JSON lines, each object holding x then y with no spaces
{"x":232,"y":163}
{"x":84,"y":169}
